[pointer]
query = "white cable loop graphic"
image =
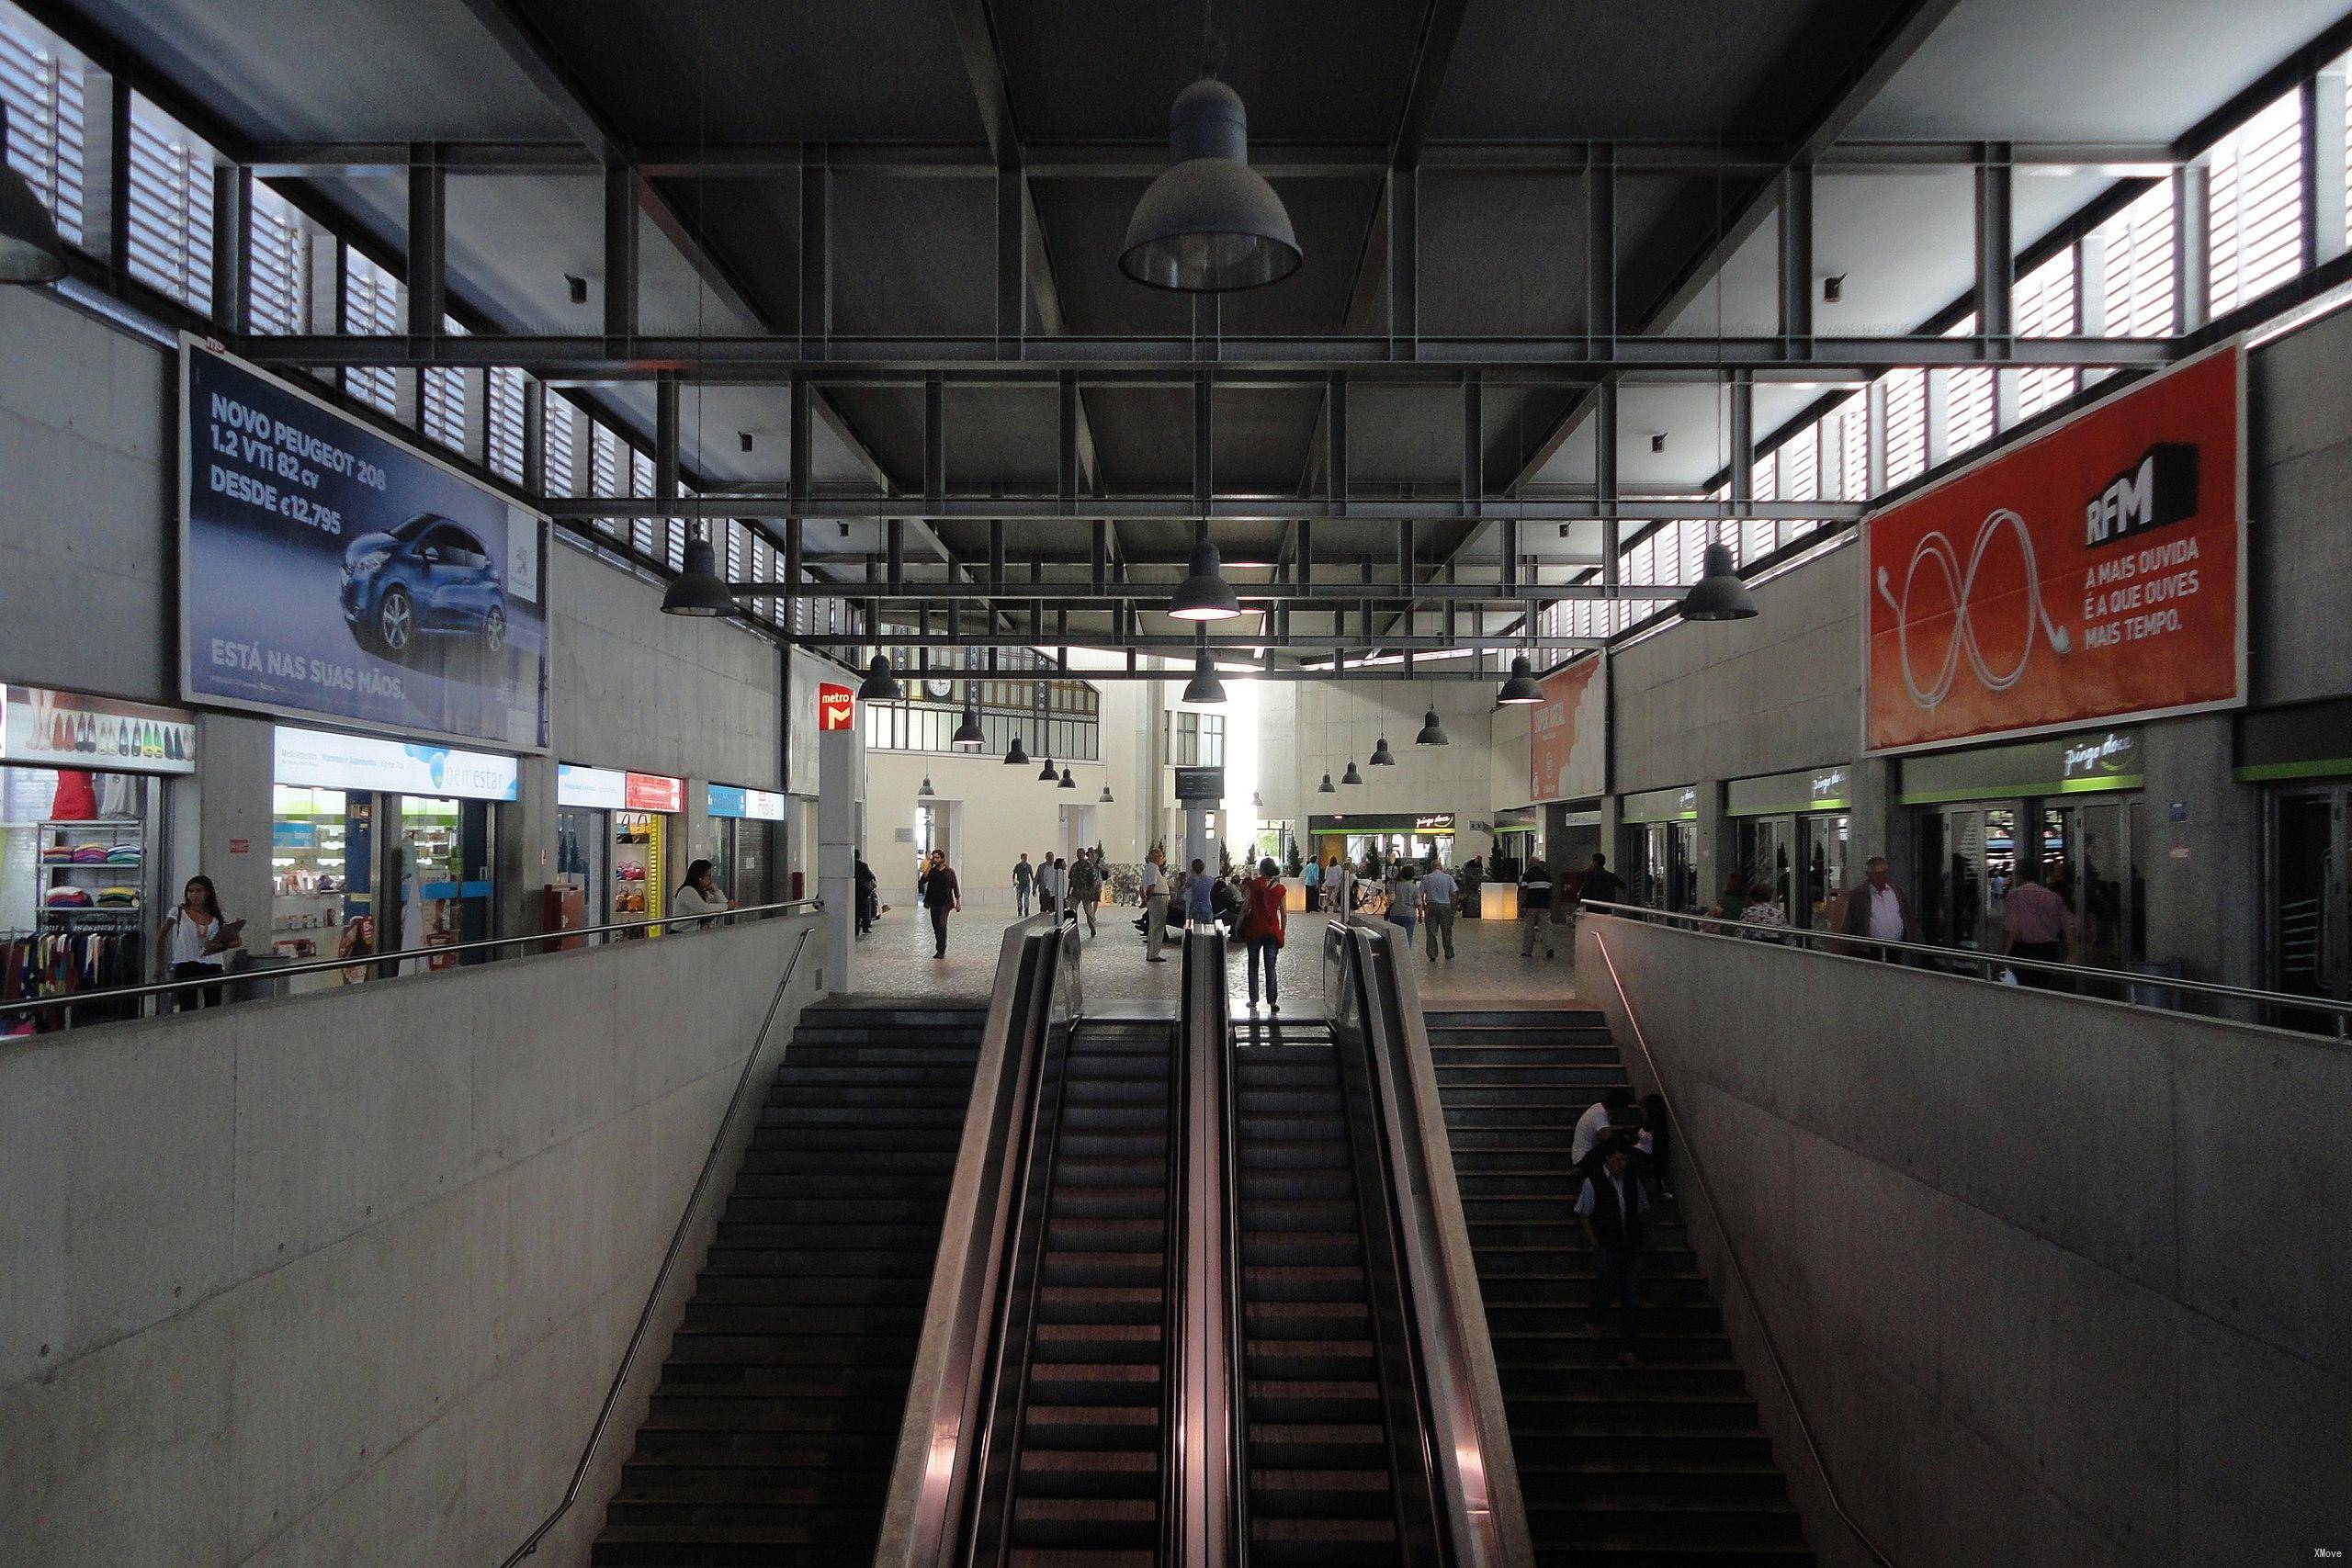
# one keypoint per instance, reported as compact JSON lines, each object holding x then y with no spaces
{"x":1937,"y":548}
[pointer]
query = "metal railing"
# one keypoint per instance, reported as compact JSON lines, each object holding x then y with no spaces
{"x":1690,"y":1153}
{"x":946,"y":1434}
{"x":1206,"y":1447}
{"x":112,"y":996}
{"x":669,"y":1264}
{"x":1470,"y":1475}
{"x":2133,"y":984}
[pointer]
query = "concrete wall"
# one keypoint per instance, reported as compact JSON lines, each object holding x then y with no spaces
{"x":2057,"y":1281}
{"x":344,"y":1278}
{"x":2298,"y":476}
{"x":1307,"y":730}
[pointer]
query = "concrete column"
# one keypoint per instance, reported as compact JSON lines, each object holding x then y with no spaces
{"x":1715,"y":849}
{"x":236,"y":757}
{"x":1877,"y":825}
{"x":525,"y":862}
{"x":840,"y":786}
{"x":2200,"y":877}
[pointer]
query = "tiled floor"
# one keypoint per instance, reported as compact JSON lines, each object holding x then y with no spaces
{"x":1486,"y":970}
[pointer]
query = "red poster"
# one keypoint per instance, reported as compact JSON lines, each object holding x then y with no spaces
{"x":836,"y":707}
{"x":2095,"y":573}
{"x":654,"y":792}
{"x":1567,"y":734}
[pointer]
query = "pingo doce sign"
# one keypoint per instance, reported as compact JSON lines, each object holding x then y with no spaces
{"x":2094,"y":572}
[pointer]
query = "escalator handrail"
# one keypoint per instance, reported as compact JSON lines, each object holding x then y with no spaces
{"x":942,"y":1450}
{"x":1468,"y":1435}
{"x":1205,"y":1438}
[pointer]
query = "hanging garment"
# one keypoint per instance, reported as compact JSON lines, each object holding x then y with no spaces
{"x":76,"y":799}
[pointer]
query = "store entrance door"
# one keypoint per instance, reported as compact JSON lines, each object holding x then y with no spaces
{"x":1970,"y":855}
{"x":1822,"y":841}
{"x":1768,"y":859}
{"x":2310,"y":872}
{"x":440,"y":860}
{"x":1661,"y":864}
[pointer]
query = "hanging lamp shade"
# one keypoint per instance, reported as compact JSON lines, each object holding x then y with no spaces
{"x":1015,"y":755}
{"x":1520,"y":688}
{"x":1106,"y":797}
{"x":1204,"y":595}
{"x":968,"y":735}
{"x":1325,"y":787}
{"x":1068,"y":782}
{"x":1256,"y":799}
{"x":1433,"y":732}
{"x":926,"y":791}
{"x":1351,"y":776}
{"x":1204,"y":687}
{"x":697,"y":590}
{"x":1719,"y":595}
{"x":880,"y":685}
{"x":1382,"y":757}
{"x":1048,"y":773}
{"x":31,"y":250}
{"x":1209,"y":222}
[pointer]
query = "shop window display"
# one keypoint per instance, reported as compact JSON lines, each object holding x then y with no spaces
{"x":76,"y":865}
{"x":638,"y":868}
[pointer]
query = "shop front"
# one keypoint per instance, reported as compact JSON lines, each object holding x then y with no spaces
{"x":744,"y":827}
{"x":616,"y":845}
{"x":2061,"y":809}
{"x":84,"y":782}
{"x":1792,"y":834}
{"x":1391,"y":836}
{"x":378,"y":845}
{"x":1657,"y":848}
{"x":2300,"y":757}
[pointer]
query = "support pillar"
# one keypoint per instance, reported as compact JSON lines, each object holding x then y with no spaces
{"x":840,"y":788}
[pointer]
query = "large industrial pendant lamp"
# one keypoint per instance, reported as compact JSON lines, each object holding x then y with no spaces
{"x":1016,"y":755}
{"x":1521,"y":690}
{"x":1326,"y":787}
{"x":1068,"y":782}
{"x":1433,"y":732}
{"x":1209,"y":222}
{"x":1106,"y":796}
{"x":1382,"y":757}
{"x":1203,"y":595}
{"x":926,"y":791}
{"x":1204,"y":688}
{"x":968,"y":735}
{"x":1719,"y":595}
{"x":1351,"y":776}
{"x":30,"y":249}
{"x":698,"y":590}
{"x":1048,"y":773}
{"x":881,"y":683}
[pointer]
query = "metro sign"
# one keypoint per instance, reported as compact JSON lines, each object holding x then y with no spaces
{"x":836,"y":707}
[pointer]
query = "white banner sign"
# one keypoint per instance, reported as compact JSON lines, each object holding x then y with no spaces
{"x":325,"y":760}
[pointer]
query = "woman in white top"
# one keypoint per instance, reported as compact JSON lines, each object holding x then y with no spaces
{"x":698,"y":897}
{"x":196,"y":943}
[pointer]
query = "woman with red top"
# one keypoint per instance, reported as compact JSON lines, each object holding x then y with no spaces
{"x":1262,"y":923}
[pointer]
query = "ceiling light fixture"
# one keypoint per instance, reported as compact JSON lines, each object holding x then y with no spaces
{"x":1351,"y":776}
{"x":1658,"y":441}
{"x":1068,"y":782}
{"x":1048,"y":773}
{"x":1204,"y":688}
{"x":744,"y":436}
{"x":968,"y":737}
{"x":1106,"y":799}
{"x":1325,"y":787}
{"x":1209,"y":222}
{"x":1719,"y":595}
{"x":1203,"y":595}
{"x":697,"y":590}
{"x":1433,"y":733}
{"x":1016,"y":755}
{"x":1832,"y":288}
{"x":881,"y":683}
{"x":926,"y":791}
{"x":1521,"y":690}
{"x":1382,"y":757}
{"x":577,"y":287}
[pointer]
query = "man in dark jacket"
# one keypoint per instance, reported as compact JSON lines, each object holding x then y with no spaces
{"x":1610,"y":1206}
{"x":1601,"y":885}
{"x":1878,"y":908}
{"x":942,"y":896}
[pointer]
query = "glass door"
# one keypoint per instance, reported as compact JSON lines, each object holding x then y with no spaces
{"x":2103,"y":886}
{"x":1768,"y":860}
{"x":1823,"y":840}
{"x":2311,"y":938}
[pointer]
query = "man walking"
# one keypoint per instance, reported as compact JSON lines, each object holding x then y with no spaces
{"x":2036,"y":923}
{"x":1086,"y":887}
{"x":1023,"y":875}
{"x":1601,"y":885}
{"x":1877,"y":908}
{"x":942,"y":896}
{"x":1155,"y":908}
{"x":1438,"y":891}
{"x":1609,"y":1207}
{"x":1199,"y":896}
{"x":1535,"y":906}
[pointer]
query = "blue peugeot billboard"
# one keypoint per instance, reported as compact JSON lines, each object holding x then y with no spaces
{"x":328,"y":570}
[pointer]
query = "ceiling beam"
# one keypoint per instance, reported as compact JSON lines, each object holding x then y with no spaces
{"x":737,"y":502}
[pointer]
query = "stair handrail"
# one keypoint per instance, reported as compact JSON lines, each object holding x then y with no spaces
{"x":1205,"y":1443}
{"x":669,"y":1264}
{"x":1698,"y":1166}
{"x":940,"y":1450}
{"x":1468,"y":1444}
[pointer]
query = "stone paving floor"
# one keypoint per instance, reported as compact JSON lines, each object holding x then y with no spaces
{"x":1485,"y":971}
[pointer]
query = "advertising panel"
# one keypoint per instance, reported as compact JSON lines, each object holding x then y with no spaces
{"x":63,"y":729}
{"x":734,"y":800}
{"x":328,"y":570}
{"x":654,"y":792}
{"x":2095,"y":573}
{"x":597,"y":789}
{"x":836,"y":707}
{"x":325,"y":760}
{"x":1567,"y":735}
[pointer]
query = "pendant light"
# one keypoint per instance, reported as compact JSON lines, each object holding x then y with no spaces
{"x":1106,"y":799}
{"x":1719,"y":595}
{"x":1209,"y":222}
{"x":1520,"y":689}
{"x":926,"y":791}
{"x":31,"y":248}
{"x":1015,"y":755}
{"x":1433,"y":733}
{"x":1204,"y":688}
{"x":1382,"y":757}
{"x":881,"y":683}
{"x":968,"y":737}
{"x":1351,"y":776}
{"x":1068,"y":782}
{"x":1203,"y":595}
{"x":698,"y":590}
{"x":1325,"y":787}
{"x":1047,"y":773}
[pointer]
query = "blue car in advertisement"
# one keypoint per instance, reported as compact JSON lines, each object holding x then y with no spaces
{"x":426,"y":577}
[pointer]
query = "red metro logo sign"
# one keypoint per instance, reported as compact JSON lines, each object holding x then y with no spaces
{"x":2093,"y":573}
{"x":836,"y":707}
